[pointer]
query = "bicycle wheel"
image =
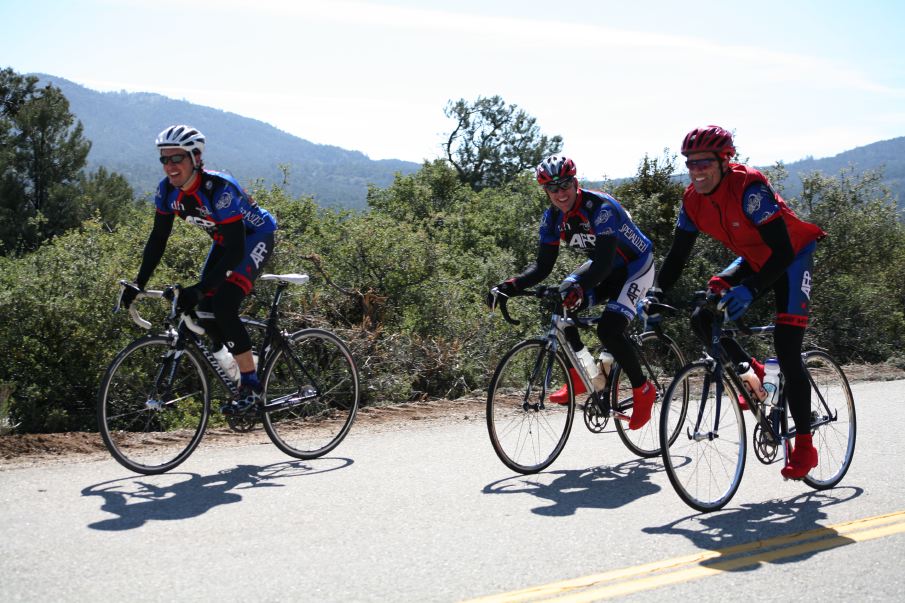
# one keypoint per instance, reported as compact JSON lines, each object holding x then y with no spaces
{"x":660,"y":360}
{"x":832,"y":420}
{"x":706,"y":461}
{"x":311,"y":392}
{"x":527,"y":430}
{"x":153,"y":405}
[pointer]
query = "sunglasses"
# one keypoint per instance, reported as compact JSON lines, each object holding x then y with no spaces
{"x":165,"y":159}
{"x":699,"y":164}
{"x":558,"y":186}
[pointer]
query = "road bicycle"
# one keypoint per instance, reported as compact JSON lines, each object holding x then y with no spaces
{"x":527,"y":431}
{"x":154,"y":401}
{"x":706,"y":462}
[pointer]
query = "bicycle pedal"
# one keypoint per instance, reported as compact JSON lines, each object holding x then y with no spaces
{"x":621,"y":416}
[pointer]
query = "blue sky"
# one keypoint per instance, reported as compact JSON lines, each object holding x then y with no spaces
{"x":615,"y":79}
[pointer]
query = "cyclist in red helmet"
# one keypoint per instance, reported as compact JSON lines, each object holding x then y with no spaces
{"x":736,"y":205}
{"x":618,"y":272}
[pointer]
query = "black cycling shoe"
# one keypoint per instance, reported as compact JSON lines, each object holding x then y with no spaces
{"x":248,"y":397}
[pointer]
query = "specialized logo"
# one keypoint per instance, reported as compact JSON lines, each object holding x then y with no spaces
{"x":766,"y":215}
{"x":806,"y":284}
{"x":225,"y":200}
{"x":633,"y":237}
{"x":259,"y":254}
{"x":253,"y":218}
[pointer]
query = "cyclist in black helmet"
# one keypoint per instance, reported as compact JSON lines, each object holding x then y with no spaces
{"x":243,"y":238}
{"x":618,"y":272}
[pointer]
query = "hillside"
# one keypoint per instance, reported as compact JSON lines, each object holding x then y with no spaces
{"x":887,"y":154}
{"x":122,"y":126}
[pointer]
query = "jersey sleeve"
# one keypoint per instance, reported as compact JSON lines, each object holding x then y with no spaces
{"x":759,"y":204}
{"x":683,"y":222}
{"x":605,"y":220}
{"x":227,"y":204}
{"x":549,"y":227}
{"x":160,"y":199}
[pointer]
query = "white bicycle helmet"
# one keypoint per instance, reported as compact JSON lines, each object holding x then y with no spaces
{"x":184,"y":137}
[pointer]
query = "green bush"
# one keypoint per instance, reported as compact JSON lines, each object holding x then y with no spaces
{"x":404,"y":283}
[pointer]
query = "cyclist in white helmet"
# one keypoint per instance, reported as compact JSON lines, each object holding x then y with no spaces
{"x":243,"y":240}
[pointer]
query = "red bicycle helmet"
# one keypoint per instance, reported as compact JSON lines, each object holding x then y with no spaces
{"x":555,"y":168}
{"x":710,"y":139}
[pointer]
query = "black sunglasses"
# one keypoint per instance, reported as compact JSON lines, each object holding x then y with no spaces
{"x":559,"y":186}
{"x":165,"y":159}
{"x":699,"y":164}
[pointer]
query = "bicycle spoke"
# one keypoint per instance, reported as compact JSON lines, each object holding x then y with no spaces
{"x":311,"y":385}
{"x":705,"y":463}
{"x":526,"y":436}
{"x":144,"y":433}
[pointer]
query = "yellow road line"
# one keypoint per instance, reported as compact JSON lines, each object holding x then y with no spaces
{"x":690,"y":567}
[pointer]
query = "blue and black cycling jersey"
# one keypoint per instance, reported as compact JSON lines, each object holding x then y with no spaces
{"x":216,"y":200}
{"x":594,"y":215}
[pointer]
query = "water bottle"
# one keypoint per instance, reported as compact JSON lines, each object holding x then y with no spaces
{"x":751,"y":381}
{"x":589,"y":366}
{"x":771,"y":381}
{"x":228,"y":363}
{"x":604,"y":366}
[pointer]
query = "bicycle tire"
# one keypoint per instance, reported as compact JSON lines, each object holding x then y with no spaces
{"x":660,"y":360}
{"x":834,"y":438}
{"x":526,"y":430}
{"x":147,"y":427}
{"x":704,"y":471}
{"x":311,"y":389}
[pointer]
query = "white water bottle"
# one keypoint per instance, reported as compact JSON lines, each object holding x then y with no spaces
{"x":752,"y":382}
{"x":228,"y":363}
{"x":604,"y":365}
{"x":588,"y":364}
{"x":771,"y":380}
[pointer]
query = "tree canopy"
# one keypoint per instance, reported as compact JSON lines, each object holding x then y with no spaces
{"x":493,"y":142}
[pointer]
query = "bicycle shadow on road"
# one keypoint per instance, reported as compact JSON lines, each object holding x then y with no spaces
{"x":775,"y":531}
{"x":173,"y":496}
{"x":591,"y":488}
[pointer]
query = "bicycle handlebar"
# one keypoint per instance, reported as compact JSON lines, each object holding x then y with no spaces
{"x":170,"y":293}
{"x":501,"y":300}
{"x":711,"y":299}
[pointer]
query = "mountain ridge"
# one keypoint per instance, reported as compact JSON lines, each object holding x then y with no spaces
{"x":123,"y":125}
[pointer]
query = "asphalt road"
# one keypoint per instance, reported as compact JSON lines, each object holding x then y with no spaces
{"x":424,"y":511}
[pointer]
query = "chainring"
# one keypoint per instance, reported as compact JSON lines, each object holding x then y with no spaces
{"x":594,"y":419}
{"x":242,"y":423}
{"x":764,"y":449}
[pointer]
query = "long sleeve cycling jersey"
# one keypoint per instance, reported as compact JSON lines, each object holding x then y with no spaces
{"x":598,"y":227}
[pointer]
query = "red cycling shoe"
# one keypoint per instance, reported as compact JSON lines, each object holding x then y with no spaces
{"x":802,"y":459}
{"x":643,"y":398}
{"x":561,"y":396}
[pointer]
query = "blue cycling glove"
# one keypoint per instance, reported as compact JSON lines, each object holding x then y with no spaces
{"x":654,"y":296}
{"x":736,"y":301}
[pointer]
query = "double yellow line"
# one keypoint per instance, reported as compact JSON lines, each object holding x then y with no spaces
{"x":625,"y":581}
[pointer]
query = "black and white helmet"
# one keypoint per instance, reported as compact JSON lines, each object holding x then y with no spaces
{"x":183,"y":137}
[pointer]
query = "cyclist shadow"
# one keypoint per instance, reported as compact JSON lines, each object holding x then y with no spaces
{"x":592,"y":488}
{"x":170,"y":496}
{"x":751,"y":524}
